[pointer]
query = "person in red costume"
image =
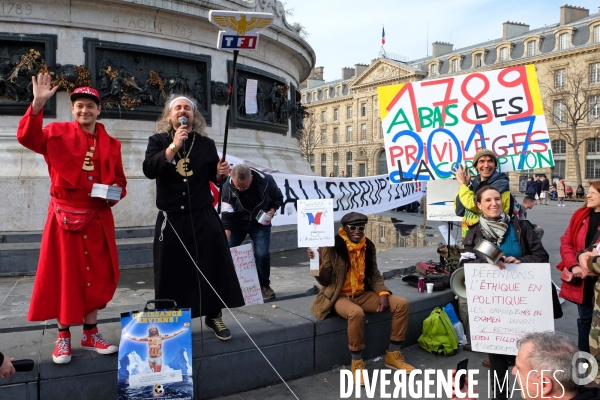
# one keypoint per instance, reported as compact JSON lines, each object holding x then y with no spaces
{"x":78,"y":269}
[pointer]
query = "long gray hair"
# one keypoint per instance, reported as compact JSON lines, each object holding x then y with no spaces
{"x":163,"y":124}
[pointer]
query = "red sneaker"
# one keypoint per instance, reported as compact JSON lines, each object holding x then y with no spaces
{"x":94,"y":341}
{"x":62,"y":350}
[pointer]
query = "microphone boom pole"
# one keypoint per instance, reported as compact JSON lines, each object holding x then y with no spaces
{"x":228,"y":115}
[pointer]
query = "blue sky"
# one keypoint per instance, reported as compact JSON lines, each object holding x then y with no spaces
{"x":346,"y":32}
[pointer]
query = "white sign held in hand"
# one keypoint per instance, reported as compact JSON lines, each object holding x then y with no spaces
{"x":245,"y":268}
{"x":507,"y":304}
{"x":315,"y":223}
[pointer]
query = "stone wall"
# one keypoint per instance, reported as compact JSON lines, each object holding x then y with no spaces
{"x":178,"y":26}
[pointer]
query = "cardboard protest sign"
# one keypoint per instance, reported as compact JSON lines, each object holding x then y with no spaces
{"x":507,"y":304}
{"x":431,"y":126}
{"x":315,"y":223}
{"x":440,"y":200}
{"x":155,"y":355}
{"x":315,"y":227}
{"x":245,"y":268}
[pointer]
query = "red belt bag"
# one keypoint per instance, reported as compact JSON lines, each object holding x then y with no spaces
{"x":72,"y":218}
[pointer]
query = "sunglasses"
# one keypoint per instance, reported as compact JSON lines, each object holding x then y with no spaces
{"x":354,"y":227}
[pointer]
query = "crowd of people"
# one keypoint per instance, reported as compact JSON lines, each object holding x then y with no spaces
{"x":71,"y":286}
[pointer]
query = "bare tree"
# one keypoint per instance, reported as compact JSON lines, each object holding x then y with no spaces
{"x":571,"y":102}
{"x":310,"y":136}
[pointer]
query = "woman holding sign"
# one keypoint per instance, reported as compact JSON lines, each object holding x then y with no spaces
{"x":519,"y":243}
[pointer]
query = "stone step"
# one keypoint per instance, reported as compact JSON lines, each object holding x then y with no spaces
{"x":36,"y":236}
{"x":21,"y":258}
{"x":19,"y":251}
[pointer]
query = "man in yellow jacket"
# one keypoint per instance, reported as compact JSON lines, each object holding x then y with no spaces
{"x":486,"y":163}
{"x":352,"y":285}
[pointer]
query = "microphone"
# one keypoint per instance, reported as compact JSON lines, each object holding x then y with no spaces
{"x":183,"y":121}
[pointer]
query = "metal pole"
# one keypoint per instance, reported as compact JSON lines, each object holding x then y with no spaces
{"x":228,"y":115}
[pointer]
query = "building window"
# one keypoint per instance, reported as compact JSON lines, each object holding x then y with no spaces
{"x":311,"y":138}
{"x":363,"y":132}
{"x":304,"y":98}
{"x":335,"y":114}
{"x":559,"y":78}
{"x":338,"y":91}
{"x":349,"y":164}
{"x":382,"y":164}
{"x":349,"y":113}
{"x":595,"y":73}
{"x":363,"y":110}
{"x":433,"y":70}
{"x":594,"y":108}
{"x":336,"y":160}
{"x":593,"y":146}
{"x":531,"y":48}
{"x":455,"y":65}
{"x":312,"y":162}
{"x":592,"y":163}
{"x":478,"y":62}
{"x":336,"y":135}
{"x":504,"y":54}
{"x":559,"y":168}
{"x":325,"y":94}
{"x":323,"y":164}
{"x":348,"y":134}
{"x":323,"y":116}
{"x":596,"y":34}
{"x":563,"y":41}
{"x":362,"y":171}
{"x":323,"y":137}
{"x":559,"y":147}
{"x":559,"y":111}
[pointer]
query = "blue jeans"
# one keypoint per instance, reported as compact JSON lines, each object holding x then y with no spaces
{"x":261,"y":236}
{"x":585,"y":310}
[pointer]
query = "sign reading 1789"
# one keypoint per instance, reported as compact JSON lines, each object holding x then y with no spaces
{"x":432,"y":126}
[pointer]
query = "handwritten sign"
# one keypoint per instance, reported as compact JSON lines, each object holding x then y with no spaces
{"x":315,"y":223}
{"x":507,"y":304}
{"x":251,"y":105}
{"x":440,"y":200}
{"x":431,"y":126}
{"x":245,"y":268}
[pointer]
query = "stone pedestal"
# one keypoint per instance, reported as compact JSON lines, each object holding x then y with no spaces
{"x":176,"y":26}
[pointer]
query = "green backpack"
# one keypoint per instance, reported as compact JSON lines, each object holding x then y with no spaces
{"x":439,"y":336}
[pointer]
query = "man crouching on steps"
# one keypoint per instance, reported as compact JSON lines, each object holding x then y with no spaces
{"x":352,"y":285}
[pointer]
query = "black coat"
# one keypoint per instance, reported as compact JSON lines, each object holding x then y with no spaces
{"x":270,"y":197}
{"x":546,"y":185}
{"x":198,"y":228}
{"x":531,"y":188}
{"x":538,"y":187}
{"x":531,"y":246}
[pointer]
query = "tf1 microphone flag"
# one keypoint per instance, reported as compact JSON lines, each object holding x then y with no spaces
{"x":382,"y":35}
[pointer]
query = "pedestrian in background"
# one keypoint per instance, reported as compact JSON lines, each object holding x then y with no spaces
{"x":561,"y":191}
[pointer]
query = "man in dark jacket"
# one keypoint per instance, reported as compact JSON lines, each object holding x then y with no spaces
{"x":538,"y":189}
{"x":545,"y":189}
{"x":250,"y":199}
{"x":352,"y":285}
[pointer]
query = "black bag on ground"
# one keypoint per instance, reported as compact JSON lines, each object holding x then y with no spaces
{"x":440,"y":281}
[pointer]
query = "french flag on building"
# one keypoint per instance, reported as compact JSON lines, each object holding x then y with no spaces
{"x":382,"y":35}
